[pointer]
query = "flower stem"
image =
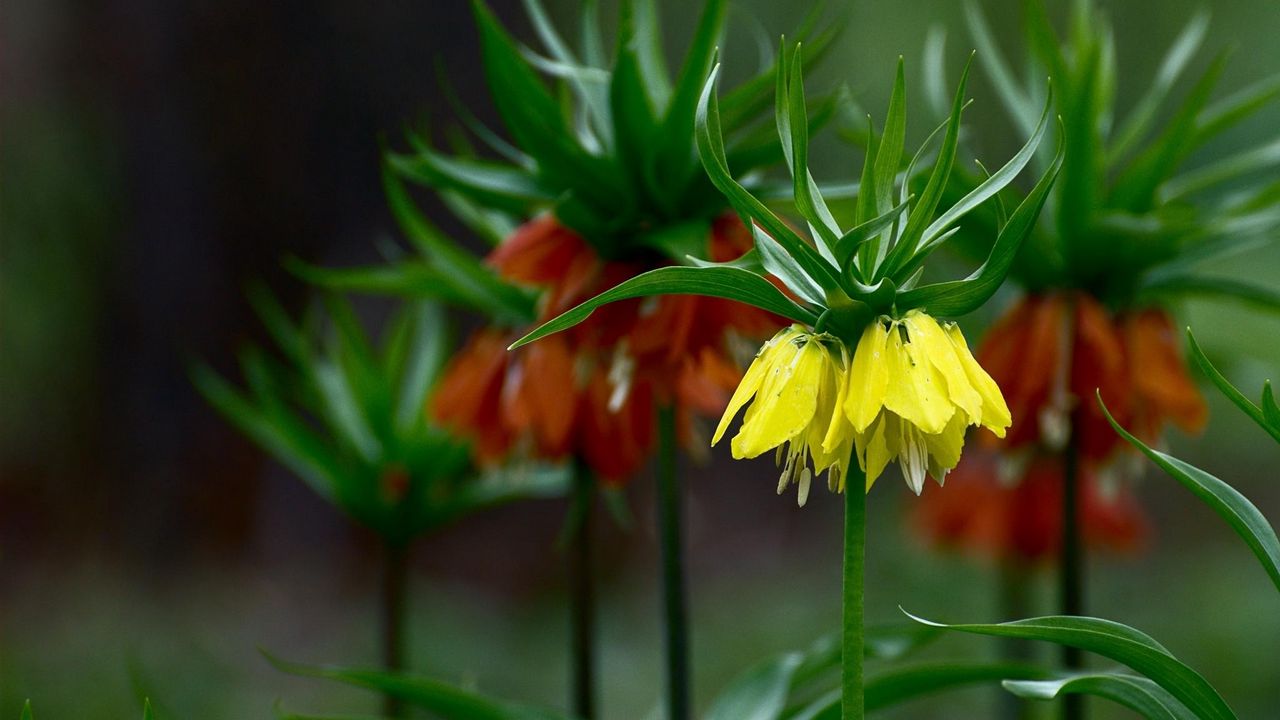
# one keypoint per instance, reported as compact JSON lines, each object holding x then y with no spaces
{"x":395,"y":576}
{"x":855,"y":541}
{"x":582,"y":620}
{"x":673,"y":590}
{"x":1072,"y":566}
{"x":1015,"y":584}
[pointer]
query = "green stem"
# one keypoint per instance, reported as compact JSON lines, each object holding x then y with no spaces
{"x":673,"y":591}
{"x":1015,"y":583}
{"x":1072,"y":567}
{"x":855,"y":541}
{"x":395,"y":576}
{"x":582,"y":596}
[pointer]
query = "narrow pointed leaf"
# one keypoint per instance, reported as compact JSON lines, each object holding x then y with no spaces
{"x":1226,"y":388}
{"x":959,"y":297}
{"x":758,"y":694}
{"x":1120,"y":643}
{"x":1241,"y":514}
{"x":1002,"y":77}
{"x":1262,"y":297}
{"x":1136,"y":693}
{"x":723,"y":282}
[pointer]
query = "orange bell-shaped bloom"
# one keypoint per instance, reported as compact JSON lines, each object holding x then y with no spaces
{"x":978,"y":513}
{"x":592,"y":391}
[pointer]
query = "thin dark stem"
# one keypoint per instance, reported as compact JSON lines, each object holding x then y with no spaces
{"x":673,"y":589}
{"x":395,"y":576}
{"x":582,"y":616}
{"x":855,"y":552}
{"x":1014,"y":604}
{"x":1072,"y":566}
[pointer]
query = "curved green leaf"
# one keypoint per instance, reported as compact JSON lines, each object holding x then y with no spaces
{"x":710,"y":142}
{"x":1136,"y":693}
{"x":729,"y":283}
{"x":758,"y":694}
{"x":1265,"y":298}
{"x":1243,"y":516}
{"x":1226,"y":388}
{"x":959,"y":297}
{"x":1117,"y":642}
{"x":26,"y":710}
{"x":904,"y":684}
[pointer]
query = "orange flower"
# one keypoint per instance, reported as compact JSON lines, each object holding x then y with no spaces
{"x":592,"y":391}
{"x":977,"y":513}
{"x":1131,"y":358}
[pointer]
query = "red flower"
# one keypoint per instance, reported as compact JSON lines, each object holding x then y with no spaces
{"x":593,"y":391}
{"x":1131,"y":358}
{"x":978,"y":513}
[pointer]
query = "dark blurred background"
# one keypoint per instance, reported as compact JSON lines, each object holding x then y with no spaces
{"x":158,"y":157}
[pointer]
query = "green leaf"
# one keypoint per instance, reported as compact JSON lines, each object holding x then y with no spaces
{"x":1264,"y":298}
{"x":146,"y":710}
{"x":1270,"y":410}
{"x":1138,"y":122}
{"x":482,"y":288}
{"x":1015,"y":100}
{"x":960,"y":297}
{"x":1120,"y":643}
{"x":1136,"y":693}
{"x":290,"y":442}
{"x":1226,"y":388}
{"x":497,"y":186}
{"x":993,"y":184}
{"x":793,"y":130}
{"x":677,"y":126}
{"x":406,"y":278}
{"x":758,"y":694}
{"x":1221,"y":171}
{"x":443,"y":699}
{"x":784,"y":267}
{"x":932,"y":194}
{"x":535,"y":120}
{"x":428,"y":352}
{"x":710,"y":143}
{"x":899,"y":685}
{"x":1136,"y":187}
{"x":723,"y":282}
{"x":1223,"y":114}
{"x":26,"y":710}
{"x":634,"y":119}
{"x":1243,"y":516}
{"x":849,"y":243}
{"x":889,"y":151}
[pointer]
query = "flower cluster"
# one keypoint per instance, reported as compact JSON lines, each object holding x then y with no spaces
{"x":593,"y":392}
{"x":907,"y":393}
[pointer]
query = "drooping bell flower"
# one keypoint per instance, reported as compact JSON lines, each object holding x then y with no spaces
{"x":1051,"y":352}
{"x":980,"y":513}
{"x":865,"y":376}
{"x":593,"y":392}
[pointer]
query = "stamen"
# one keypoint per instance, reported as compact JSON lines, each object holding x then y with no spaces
{"x":805,"y":478}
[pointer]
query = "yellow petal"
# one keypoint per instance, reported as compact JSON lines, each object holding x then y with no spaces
{"x":995,"y":413}
{"x":749,"y":384}
{"x":868,"y":377}
{"x":916,"y":391}
{"x":786,"y":402}
{"x":874,"y":451}
{"x":945,"y":448}
{"x":839,"y":431}
{"x":937,"y":348}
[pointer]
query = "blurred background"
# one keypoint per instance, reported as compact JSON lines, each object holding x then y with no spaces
{"x":158,"y":157}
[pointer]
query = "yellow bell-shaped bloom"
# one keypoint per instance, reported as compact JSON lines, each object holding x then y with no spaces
{"x":914,"y":389}
{"x":797,"y":379}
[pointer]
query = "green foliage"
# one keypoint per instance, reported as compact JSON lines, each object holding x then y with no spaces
{"x":1136,"y":693}
{"x":348,"y":417}
{"x":1125,"y":221}
{"x":844,"y":276}
{"x":1117,"y":642}
{"x":788,"y":686}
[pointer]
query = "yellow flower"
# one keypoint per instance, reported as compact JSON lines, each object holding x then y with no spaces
{"x":914,"y":389}
{"x":797,"y":380}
